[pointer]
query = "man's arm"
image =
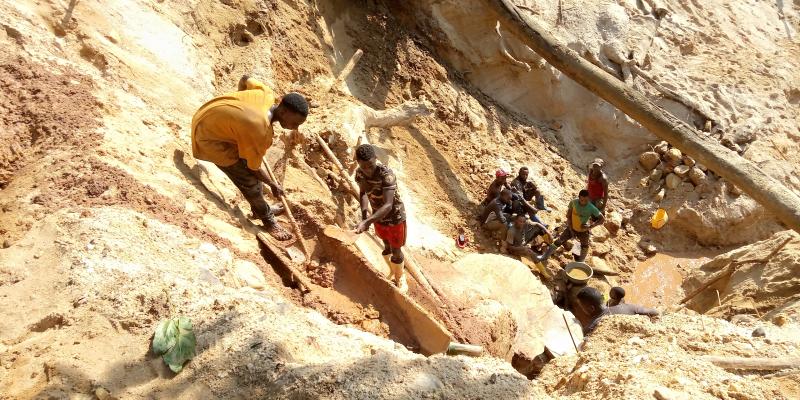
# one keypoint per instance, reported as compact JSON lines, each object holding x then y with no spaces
{"x":601,"y":219}
{"x":540,"y":226}
{"x":604,"y":182}
{"x":364,"y":197}
{"x":377,"y":215}
{"x":640,"y":310}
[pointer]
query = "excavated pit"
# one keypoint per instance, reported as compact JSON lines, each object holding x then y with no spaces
{"x":357,"y":294}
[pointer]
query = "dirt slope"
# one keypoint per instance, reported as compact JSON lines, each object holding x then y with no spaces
{"x":107,"y":225}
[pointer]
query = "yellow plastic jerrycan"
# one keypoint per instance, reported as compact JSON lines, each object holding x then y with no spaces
{"x":660,"y":218}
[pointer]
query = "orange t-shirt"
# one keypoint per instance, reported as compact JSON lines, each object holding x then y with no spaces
{"x":233,"y":126}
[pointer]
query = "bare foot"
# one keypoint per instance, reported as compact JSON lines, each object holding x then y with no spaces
{"x":277,"y":231}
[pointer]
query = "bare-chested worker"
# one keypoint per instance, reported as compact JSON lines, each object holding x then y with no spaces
{"x":234,"y":131}
{"x":379,"y":191}
{"x":597,"y":184}
{"x":590,"y":302}
{"x":582,"y":216}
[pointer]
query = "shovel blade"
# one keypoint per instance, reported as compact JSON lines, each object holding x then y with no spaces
{"x":334,"y":232}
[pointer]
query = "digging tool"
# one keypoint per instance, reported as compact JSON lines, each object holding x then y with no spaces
{"x":300,"y":278}
{"x":295,"y":227}
{"x":346,"y":237}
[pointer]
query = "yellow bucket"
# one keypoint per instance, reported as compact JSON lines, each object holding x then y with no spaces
{"x":660,"y":218}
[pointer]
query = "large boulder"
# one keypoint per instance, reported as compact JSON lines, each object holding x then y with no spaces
{"x":487,"y":287}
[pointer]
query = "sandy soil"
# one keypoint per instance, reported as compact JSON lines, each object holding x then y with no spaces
{"x":108,"y":225}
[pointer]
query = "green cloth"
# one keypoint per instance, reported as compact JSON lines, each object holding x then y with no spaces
{"x":582,"y":214}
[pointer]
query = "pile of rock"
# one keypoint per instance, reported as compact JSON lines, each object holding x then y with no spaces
{"x":670,"y":169}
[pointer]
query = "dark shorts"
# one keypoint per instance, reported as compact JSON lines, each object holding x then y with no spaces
{"x":394,"y":234}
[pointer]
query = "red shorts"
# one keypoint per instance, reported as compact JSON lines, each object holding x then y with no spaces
{"x":394,"y":234}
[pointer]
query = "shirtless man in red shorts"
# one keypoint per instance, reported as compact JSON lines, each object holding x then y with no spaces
{"x":379,"y":190}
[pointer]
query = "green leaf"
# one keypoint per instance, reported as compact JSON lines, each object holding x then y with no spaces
{"x":184,"y":347}
{"x":165,"y":336}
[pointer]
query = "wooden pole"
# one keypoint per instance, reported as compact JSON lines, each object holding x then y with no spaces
{"x":302,"y":281}
{"x":570,"y":332}
{"x":295,"y":227}
{"x":760,"y":364}
{"x":345,"y":72}
{"x":770,"y":193}
{"x":354,"y":190}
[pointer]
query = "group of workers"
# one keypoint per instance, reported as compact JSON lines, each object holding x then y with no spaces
{"x":234,"y":131}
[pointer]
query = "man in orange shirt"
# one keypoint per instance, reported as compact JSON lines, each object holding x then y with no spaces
{"x":234,"y":132}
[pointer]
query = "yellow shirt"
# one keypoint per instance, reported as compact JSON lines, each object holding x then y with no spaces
{"x":233,"y":126}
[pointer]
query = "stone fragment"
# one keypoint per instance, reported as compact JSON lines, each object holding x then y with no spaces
{"x":701,"y":167}
{"x":663,"y":393}
{"x":673,"y":181}
{"x":779,"y":320}
{"x":697,"y":176}
{"x":613,"y":222}
{"x":662,"y":147}
{"x":673,"y":155}
{"x":759,"y":332}
{"x":600,"y":266}
{"x":600,"y":234}
{"x":649,"y":160}
{"x":660,"y":195}
{"x":681,"y":170}
{"x":250,"y":275}
{"x":656,"y":175}
{"x":688,"y":161}
{"x":733,"y":189}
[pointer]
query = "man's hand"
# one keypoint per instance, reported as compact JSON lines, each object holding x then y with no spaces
{"x":363,"y":226}
{"x":277,"y":190}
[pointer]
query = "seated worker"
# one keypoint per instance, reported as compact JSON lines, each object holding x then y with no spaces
{"x":590,"y":302}
{"x":582,"y":216}
{"x":499,"y":183}
{"x":378,"y":191}
{"x":234,"y":131}
{"x":597,"y":184}
{"x":527,"y":189}
{"x":616,"y":296}
{"x":520,"y":235}
{"x":495,"y":216}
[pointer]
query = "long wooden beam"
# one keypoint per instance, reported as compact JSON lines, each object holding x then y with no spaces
{"x":770,"y":193}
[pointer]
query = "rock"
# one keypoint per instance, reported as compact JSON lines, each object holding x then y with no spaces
{"x":662,"y":393}
{"x":673,"y":156}
{"x":600,"y":234}
{"x":649,"y":160}
{"x":660,"y":195}
{"x":425,"y":382}
{"x":662,"y":147}
{"x":733,"y":189}
{"x":613,"y":222}
{"x":600,"y":266}
{"x":102,"y":394}
{"x":681,"y":170}
{"x":6,"y":244}
{"x":648,"y":247}
{"x":779,"y":320}
{"x":656,"y":175}
{"x":249,"y":274}
{"x":673,"y":181}
{"x":688,"y":161}
{"x":701,"y":167}
{"x":697,"y":176}
{"x":637,"y":341}
{"x":759,"y":332}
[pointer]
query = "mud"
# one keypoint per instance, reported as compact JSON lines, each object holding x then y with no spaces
{"x":44,"y":110}
{"x":656,"y":282}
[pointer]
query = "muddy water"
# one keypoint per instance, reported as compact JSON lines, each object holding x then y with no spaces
{"x":656,"y":282}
